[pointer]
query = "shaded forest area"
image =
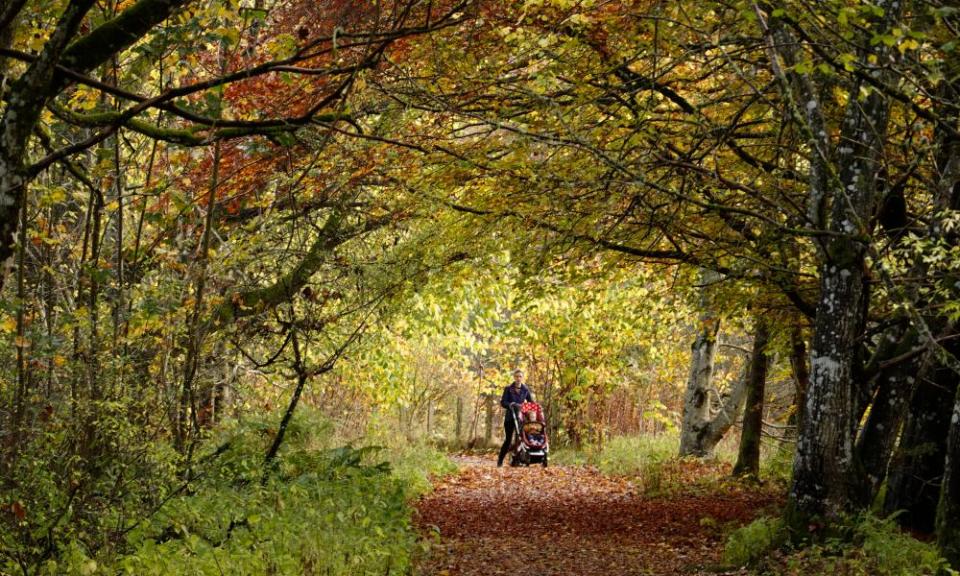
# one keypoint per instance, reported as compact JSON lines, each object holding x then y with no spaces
{"x":266,"y":262}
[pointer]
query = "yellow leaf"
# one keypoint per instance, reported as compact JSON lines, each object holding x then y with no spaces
{"x":908,"y":44}
{"x":9,"y":325}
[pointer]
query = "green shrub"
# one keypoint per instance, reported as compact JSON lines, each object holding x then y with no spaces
{"x":413,"y":461}
{"x":415,"y":464}
{"x":776,"y":464}
{"x":862,"y":546}
{"x":894,"y":553}
{"x":70,"y":498}
{"x":341,"y":517}
{"x":751,"y":542}
{"x":321,"y":510}
{"x":651,"y":460}
{"x":645,"y":458}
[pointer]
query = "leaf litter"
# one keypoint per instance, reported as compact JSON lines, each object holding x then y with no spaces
{"x":574,"y":520}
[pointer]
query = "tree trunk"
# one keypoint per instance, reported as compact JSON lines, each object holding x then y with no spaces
{"x":458,"y":427}
{"x":92,"y":356}
{"x":26,"y":99}
{"x":948,"y":197}
{"x":748,"y":459}
{"x":913,"y":487}
{"x":824,"y":459}
{"x":702,"y":431}
{"x":948,"y":512}
{"x":303,"y":376}
{"x":824,"y":471}
{"x":879,"y":435}
{"x":916,"y":472}
{"x":801,"y":375}
{"x":429,"y":417}
{"x":699,"y":431}
{"x":696,"y":400}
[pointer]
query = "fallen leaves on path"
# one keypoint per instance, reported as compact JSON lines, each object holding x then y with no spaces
{"x":576,"y":521}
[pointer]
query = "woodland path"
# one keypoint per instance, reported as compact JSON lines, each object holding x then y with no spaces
{"x":573,"y":520}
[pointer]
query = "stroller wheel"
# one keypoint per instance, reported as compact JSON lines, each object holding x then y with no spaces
{"x":544,"y":460}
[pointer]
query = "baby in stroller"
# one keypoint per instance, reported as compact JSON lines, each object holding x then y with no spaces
{"x":532,"y":445}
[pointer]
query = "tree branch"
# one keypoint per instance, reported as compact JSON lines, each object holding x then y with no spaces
{"x":115,"y":35}
{"x":257,"y":300}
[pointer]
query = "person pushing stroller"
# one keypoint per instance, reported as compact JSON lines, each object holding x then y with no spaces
{"x":514,"y":395}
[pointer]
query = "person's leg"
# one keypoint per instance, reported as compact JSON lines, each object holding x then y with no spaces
{"x":507,"y":440}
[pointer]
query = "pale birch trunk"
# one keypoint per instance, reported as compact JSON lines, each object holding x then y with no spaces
{"x":696,"y":400}
{"x":701,"y":428}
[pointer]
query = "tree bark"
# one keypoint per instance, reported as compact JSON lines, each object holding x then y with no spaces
{"x":824,"y":473}
{"x":916,"y":471}
{"x":824,"y":461}
{"x":303,"y":376}
{"x":801,"y":374}
{"x":895,"y":387}
{"x":696,"y":400}
{"x":700,"y":430}
{"x":8,"y":14}
{"x":913,"y":486}
{"x":188,"y":408}
{"x":488,"y":422}
{"x":748,"y":458}
{"x":948,"y":511}
{"x":458,"y":424}
{"x":948,"y":198}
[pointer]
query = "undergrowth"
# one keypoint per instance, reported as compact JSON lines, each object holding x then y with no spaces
{"x":414,"y":461}
{"x":871,"y":546}
{"x":651,"y":461}
{"x":321,"y":510}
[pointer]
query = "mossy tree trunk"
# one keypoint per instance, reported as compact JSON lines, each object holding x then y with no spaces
{"x":948,"y":199}
{"x":801,"y":373}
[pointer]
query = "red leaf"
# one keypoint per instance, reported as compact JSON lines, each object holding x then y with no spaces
{"x":18,"y":510}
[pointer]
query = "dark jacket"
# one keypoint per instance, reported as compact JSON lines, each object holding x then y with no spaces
{"x":515,"y":396}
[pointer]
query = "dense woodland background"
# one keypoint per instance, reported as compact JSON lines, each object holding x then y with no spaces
{"x":247,"y":241}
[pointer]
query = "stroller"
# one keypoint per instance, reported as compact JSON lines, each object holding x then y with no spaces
{"x":531,"y":445}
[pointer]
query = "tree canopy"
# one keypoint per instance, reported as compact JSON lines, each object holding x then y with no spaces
{"x":214,"y":211}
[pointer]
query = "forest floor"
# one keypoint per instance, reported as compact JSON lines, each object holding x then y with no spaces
{"x":574,"y":520}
